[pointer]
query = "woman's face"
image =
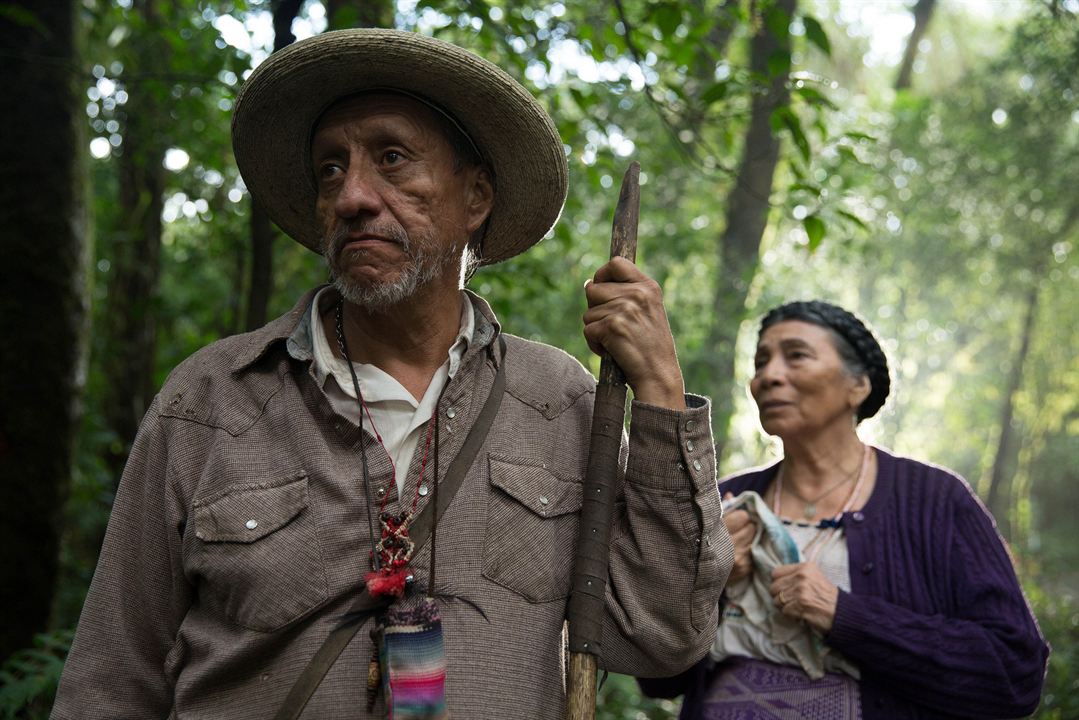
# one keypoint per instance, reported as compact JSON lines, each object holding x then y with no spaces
{"x":800,"y":385}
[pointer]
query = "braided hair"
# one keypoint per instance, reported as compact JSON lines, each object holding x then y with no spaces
{"x":862,"y":355}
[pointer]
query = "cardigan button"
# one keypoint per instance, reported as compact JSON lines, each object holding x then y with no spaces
{"x":858,"y":517}
{"x":867,"y":568}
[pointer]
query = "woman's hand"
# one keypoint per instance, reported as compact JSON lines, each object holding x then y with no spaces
{"x":801,"y":591}
{"x":742,"y":531}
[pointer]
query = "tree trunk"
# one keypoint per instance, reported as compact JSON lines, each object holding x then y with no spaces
{"x":1000,"y":478}
{"x":42,"y":292}
{"x":923,"y":11}
{"x":746,"y":220}
{"x":262,"y":230}
{"x":135,"y":241}
{"x":258,"y":297}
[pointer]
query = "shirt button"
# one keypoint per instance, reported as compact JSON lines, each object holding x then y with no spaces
{"x":543,"y":500}
{"x":867,"y":568}
{"x":381,"y":492}
{"x":696,"y":464}
{"x":200,"y":535}
{"x":423,"y":490}
{"x":251,"y":524}
{"x":691,"y":425}
{"x":690,"y":445}
{"x":451,"y":413}
{"x":858,"y":517}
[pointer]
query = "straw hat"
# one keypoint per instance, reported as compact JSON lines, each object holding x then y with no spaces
{"x":279,"y":104}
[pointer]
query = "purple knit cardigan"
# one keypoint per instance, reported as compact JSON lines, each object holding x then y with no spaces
{"x":935,"y":618}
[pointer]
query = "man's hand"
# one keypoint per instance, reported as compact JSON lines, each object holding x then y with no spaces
{"x":625,"y":318}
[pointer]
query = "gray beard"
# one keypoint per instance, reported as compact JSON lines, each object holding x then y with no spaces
{"x":423,"y":268}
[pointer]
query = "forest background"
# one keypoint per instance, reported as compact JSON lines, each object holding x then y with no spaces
{"x":912,"y":160}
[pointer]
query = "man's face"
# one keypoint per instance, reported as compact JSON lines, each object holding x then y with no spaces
{"x":394,"y":212}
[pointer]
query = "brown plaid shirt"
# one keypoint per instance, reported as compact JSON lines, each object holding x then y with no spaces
{"x":239,"y":536}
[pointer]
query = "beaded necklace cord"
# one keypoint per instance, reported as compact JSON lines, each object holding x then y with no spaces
{"x":392,"y":552}
{"x":817,"y":544}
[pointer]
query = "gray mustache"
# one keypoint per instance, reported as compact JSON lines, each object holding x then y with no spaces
{"x":339,"y":236}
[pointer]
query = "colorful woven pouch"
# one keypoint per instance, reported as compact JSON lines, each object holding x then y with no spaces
{"x":413,"y":662}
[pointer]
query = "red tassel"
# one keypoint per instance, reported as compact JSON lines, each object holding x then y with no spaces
{"x":386,"y":582}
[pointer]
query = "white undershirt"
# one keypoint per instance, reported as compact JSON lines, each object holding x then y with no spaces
{"x":397,"y":416}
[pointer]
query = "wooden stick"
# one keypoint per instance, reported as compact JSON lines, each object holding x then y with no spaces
{"x":586,"y":603}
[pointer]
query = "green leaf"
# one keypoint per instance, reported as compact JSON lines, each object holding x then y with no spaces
{"x":848,"y":153}
{"x":779,"y":63}
{"x":813,"y":96}
{"x":784,"y":117}
{"x":853,"y":218}
{"x":815,"y":230}
{"x":807,"y":187}
{"x":778,"y":23}
{"x":668,"y":17}
{"x":861,"y":136}
{"x":583,"y":101}
{"x":24,"y":18}
{"x":816,"y":35}
{"x":714,"y":92}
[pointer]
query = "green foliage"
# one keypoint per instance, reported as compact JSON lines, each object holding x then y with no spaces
{"x":29,"y":678}
{"x":619,"y":699}
{"x":924,"y":214}
{"x":1058,"y":616}
{"x":23,"y":18}
{"x":815,"y":34}
{"x":815,"y":228}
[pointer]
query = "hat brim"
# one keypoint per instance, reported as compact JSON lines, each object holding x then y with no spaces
{"x":279,"y":104}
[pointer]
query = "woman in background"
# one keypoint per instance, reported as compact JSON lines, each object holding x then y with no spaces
{"x":904,"y":602}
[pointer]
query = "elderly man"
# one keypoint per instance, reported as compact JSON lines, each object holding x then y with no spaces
{"x":280,"y":495}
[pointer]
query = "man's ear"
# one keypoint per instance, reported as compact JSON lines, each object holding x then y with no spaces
{"x":481,"y":198}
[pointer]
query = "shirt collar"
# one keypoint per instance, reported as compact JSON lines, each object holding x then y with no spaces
{"x":309,"y":342}
{"x":294,"y":330}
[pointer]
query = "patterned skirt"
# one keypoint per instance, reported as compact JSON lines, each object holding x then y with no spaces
{"x":745,"y":689}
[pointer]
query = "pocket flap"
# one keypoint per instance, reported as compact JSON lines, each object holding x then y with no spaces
{"x":536,"y":488}
{"x":248,"y":512}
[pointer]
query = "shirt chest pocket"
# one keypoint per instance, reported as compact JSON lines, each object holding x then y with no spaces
{"x":257,"y":552}
{"x":531,"y":530}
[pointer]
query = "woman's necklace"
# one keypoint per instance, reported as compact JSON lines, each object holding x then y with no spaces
{"x":810,"y":509}
{"x":824,"y":538}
